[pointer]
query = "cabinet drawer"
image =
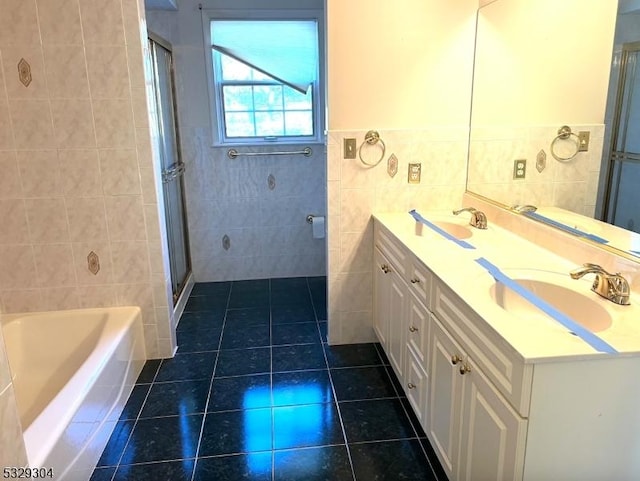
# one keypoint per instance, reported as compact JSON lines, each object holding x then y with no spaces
{"x":392,"y":249}
{"x":419,"y":278}
{"x":495,"y":358}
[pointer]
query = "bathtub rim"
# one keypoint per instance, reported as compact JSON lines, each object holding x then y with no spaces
{"x":40,"y":442}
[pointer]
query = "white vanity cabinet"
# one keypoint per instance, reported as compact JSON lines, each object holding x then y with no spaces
{"x":391,"y":292}
{"x":416,"y":381}
{"x":495,"y":402}
{"x":475,"y":432}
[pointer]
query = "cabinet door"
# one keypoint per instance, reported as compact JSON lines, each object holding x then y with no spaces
{"x":492,"y":434}
{"x":418,"y":328}
{"x":397,"y":322}
{"x":382,"y":272}
{"x":416,"y":384}
{"x":445,"y":397}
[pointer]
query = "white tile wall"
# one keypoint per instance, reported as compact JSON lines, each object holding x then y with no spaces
{"x":78,"y":173}
{"x":355,"y":192}
{"x":267,"y":228}
{"x":571,"y":184}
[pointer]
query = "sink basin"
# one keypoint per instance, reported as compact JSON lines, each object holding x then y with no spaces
{"x":456,"y":230}
{"x":558,"y":290}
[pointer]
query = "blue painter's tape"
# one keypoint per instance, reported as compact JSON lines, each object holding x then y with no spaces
{"x":440,"y":231}
{"x":587,"y":336}
{"x":566,"y":228}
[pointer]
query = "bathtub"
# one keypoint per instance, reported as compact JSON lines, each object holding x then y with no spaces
{"x":72,"y":373}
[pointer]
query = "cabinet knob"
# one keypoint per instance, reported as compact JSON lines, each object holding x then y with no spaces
{"x":413,"y":329}
{"x":415,"y":281}
{"x":411,"y":385}
{"x":465,"y":368}
{"x":385,"y":268}
{"x":455,"y":359}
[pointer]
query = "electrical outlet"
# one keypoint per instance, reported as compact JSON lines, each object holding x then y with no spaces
{"x":414,"y":173}
{"x":349,"y":148}
{"x":519,"y":168}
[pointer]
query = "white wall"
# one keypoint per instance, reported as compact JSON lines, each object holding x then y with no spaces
{"x":405,"y":72}
{"x":268,"y":230}
{"x":399,"y":68}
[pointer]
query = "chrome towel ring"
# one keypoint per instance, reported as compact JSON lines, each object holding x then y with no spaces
{"x":372,"y":137}
{"x":565,"y":133}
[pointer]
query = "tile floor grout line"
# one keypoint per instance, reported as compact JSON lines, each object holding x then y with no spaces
{"x":135,"y":423}
{"x":344,"y":432}
{"x":286,"y":359}
{"x":213,"y":375}
{"x":273,"y":422}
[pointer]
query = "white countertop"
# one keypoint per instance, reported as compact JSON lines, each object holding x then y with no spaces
{"x":536,"y":338}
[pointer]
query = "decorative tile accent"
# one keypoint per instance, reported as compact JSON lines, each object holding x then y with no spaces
{"x":93,"y":263}
{"x":541,"y":161}
{"x":226,"y":242}
{"x":392,"y":166}
{"x":24,"y":71}
{"x":271,"y":182}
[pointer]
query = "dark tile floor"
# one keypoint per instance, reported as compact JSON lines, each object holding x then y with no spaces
{"x":255,"y":393}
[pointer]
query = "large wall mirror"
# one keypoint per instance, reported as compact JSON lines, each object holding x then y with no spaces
{"x":543,"y":65}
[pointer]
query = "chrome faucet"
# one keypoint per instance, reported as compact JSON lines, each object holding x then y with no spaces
{"x":613,"y":287}
{"x":521,"y":209}
{"x":478,"y":219}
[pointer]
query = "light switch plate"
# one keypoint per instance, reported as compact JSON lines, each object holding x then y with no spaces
{"x":349,"y":148}
{"x":583,"y":140}
{"x":414,"y":173}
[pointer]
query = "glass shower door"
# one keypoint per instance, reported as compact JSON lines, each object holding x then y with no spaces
{"x":172,"y":168}
{"x":624,"y":170}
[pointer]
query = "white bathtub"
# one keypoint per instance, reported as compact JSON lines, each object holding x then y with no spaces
{"x":72,"y":374}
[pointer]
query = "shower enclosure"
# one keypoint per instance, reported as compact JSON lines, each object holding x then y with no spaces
{"x":624,"y":157}
{"x":171,"y":165}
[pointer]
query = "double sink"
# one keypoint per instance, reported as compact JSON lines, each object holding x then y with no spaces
{"x":572,"y":297}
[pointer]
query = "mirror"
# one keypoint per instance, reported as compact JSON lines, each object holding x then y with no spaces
{"x":540,"y":66}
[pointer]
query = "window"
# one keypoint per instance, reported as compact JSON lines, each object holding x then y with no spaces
{"x":265,"y":80}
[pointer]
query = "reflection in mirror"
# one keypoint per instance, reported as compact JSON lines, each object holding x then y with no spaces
{"x":538,"y":69}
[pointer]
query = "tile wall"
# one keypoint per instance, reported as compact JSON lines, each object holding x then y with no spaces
{"x":572,"y":184}
{"x":355,"y":192}
{"x":266,"y":225}
{"x":77,"y":172}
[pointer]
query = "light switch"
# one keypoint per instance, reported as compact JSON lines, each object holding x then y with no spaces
{"x":349,"y":148}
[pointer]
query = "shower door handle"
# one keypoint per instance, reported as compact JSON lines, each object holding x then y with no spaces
{"x":172,"y":173}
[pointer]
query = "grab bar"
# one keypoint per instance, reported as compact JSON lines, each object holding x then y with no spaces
{"x":233,"y":153}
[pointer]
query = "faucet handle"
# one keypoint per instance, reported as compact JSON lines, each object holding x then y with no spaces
{"x":478,"y":219}
{"x":610,"y":286}
{"x":619,"y":290}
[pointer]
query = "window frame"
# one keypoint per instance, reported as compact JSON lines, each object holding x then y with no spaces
{"x":216,"y":109}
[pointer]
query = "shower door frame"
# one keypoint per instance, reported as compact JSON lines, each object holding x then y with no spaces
{"x":616,"y":158}
{"x":179,"y":284}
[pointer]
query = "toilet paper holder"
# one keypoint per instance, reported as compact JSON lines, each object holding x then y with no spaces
{"x":310,"y":219}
